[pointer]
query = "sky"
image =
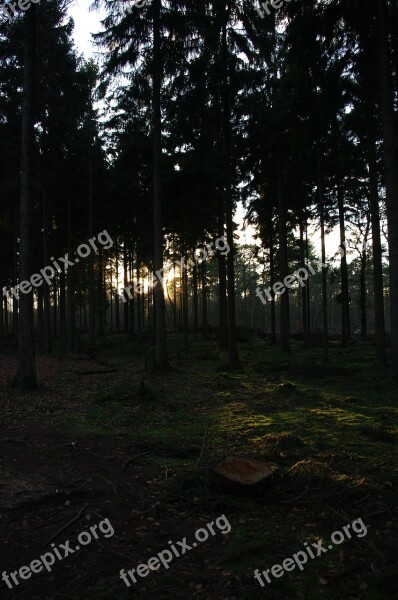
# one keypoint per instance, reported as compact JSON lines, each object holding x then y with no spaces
{"x":88,"y":21}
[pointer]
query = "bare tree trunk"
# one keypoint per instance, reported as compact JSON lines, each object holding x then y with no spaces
{"x":324,"y":271}
{"x":205,"y":326}
{"x":27,"y":375}
{"x":161,"y":360}
{"x":139,"y":299}
{"x":185,"y":310}
{"x":272,"y":281}
{"x":1,"y":316}
{"x":6,"y":328}
{"x":131,"y":303}
{"x":345,"y":301}
{"x":195,"y":300}
{"x":71,"y":284}
{"x":62,"y":304}
{"x":101,"y":294}
{"x":307,"y":256}
{"x":380,"y":325}
{"x":284,"y":299}
{"x":91,"y":291}
{"x":391,"y":176}
{"x":55,"y":306}
{"x":362,"y":283}
{"x":222,"y":279}
{"x":117,"y":303}
{"x":126,"y":283}
{"x":46,"y":287}
{"x":304,"y":303}
{"x":232,"y":334}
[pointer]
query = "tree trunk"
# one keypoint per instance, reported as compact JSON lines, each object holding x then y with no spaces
{"x":27,"y":374}
{"x":324,"y":271}
{"x":232,"y":334}
{"x":126,"y":283}
{"x":284,"y":299}
{"x":185,"y":309}
{"x":391,"y":176}
{"x":71,"y":284}
{"x":272,"y":281}
{"x":345,"y":301}
{"x":91,"y":291}
{"x":117,"y":303}
{"x":161,"y":361}
{"x":222,"y":279}
{"x":62,"y":304}
{"x":304,"y":303}
{"x":307,"y":256}
{"x":55,"y":306}
{"x":378,"y":285}
{"x":362,"y":283}
{"x":101,"y":294}
{"x":204,"y":301}
{"x":195,"y":300}
{"x":131,"y":303}
{"x":139,"y":299}
{"x":46,"y":287}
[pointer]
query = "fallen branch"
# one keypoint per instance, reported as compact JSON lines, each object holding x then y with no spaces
{"x":109,"y":483}
{"x":107,"y":372}
{"x":56,"y":534}
{"x":203,"y":446}
{"x":30,"y":501}
{"x":130,"y":460}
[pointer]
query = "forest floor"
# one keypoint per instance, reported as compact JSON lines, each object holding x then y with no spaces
{"x":330,"y":431}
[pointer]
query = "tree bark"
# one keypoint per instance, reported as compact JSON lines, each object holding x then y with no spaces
{"x":117,"y":303}
{"x":71,"y":283}
{"x":324,"y":270}
{"x":304,"y":303}
{"x":195,"y":300}
{"x":46,"y":287}
{"x":272,"y":281}
{"x":232,"y":334}
{"x":27,"y":375}
{"x":91,"y":290}
{"x":284,"y":299}
{"x":62,"y":304}
{"x":362,"y":283}
{"x":345,"y":301}
{"x":378,"y":285}
{"x":205,"y":326}
{"x":391,"y":176}
{"x":185,"y":309}
{"x":222,"y":279}
{"x":161,"y":360}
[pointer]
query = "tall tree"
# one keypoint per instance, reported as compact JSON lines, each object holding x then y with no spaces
{"x":27,"y":373}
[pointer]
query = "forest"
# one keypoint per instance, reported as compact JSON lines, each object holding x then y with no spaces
{"x":199,"y":307}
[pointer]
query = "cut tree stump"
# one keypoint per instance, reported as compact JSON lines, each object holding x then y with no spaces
{"x":242,"y":474}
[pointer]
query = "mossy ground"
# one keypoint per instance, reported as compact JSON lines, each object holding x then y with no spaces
{"x":329,"y":430}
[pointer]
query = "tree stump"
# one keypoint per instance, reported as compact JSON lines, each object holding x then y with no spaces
{"x":241,"y":474}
